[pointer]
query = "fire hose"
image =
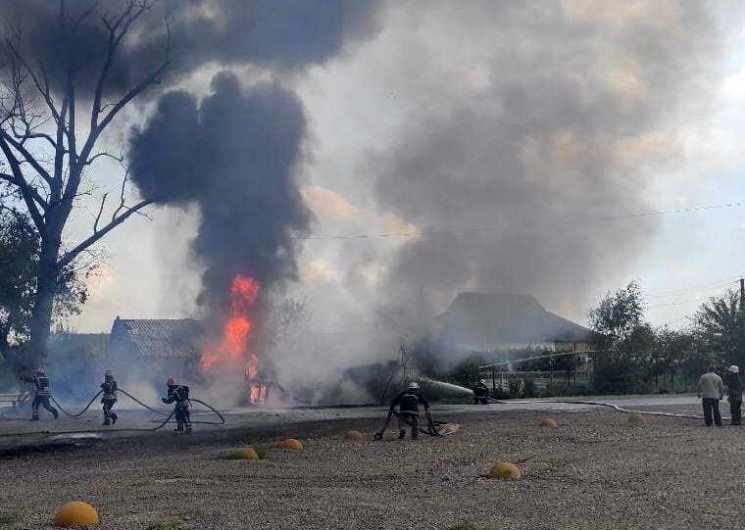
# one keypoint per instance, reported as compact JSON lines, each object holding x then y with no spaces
{"x":79,"y":413}
{"x":431,"y":425}
{"x":129,"y":429}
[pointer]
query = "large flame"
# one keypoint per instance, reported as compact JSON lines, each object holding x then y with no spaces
{"x":236,"y":335}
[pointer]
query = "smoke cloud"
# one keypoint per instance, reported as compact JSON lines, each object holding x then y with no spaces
{"x":528,"y":124}
{"x":233,"y":154}
{"x":275,"y":34}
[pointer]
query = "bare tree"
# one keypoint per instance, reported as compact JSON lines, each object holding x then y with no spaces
{"x":51,"y":118}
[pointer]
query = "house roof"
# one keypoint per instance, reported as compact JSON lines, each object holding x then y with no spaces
{"x":491,"y":319}
{"x":159,"y":338}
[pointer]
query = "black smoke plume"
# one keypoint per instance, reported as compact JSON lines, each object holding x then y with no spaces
{"x":233,"y":154}
{"x":274,"y":34}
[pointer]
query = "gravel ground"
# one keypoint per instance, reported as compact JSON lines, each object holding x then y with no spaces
{"x":595,"y":471}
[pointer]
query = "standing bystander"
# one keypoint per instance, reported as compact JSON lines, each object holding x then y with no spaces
{"x":711,"y":390}
{"x":734,"y":393}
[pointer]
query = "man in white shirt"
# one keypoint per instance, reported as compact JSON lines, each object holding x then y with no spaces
{"x":710,"y":390}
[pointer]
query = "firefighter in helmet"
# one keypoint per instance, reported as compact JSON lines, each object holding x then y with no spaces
{"x":179,"y":394}
{"x":42,"y":394}
{"x":480,"y":393}
{"x":109,"y":398}
{"x":408,"y":412}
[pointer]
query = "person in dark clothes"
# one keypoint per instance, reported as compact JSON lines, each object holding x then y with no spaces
{"x":408,"y":412}
{"x":42,"y":395}
{"x":179,"y":394}
{"x":109,"y":398}
{"x":733,"y":381}
{"x":481,"y":393}
{"x":711,"y":389}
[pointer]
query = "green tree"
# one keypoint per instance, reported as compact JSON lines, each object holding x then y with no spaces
{"x":626,"y":341}
{"x":720,"y":329}
{"x":617,"y":316}
{"x":55,"y":108}
{"x":19,"y":259}
{"x":19,"y":256}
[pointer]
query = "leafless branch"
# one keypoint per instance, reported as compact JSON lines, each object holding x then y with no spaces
{"x":100,"y":211}
{"x":103,"y":154}
{"x":97,"y":235}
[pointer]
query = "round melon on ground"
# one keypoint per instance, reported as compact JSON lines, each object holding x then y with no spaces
{"x":290,"y":444}
{"x":76,"y":513}
{"x":505,"y":471}
{"x":244,"y":453}
{"x":355,"y":436}
{"x":549,"y":423}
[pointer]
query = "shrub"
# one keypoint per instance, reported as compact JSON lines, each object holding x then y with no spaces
{"x":530,"y":389}
{"x":515,"y":385}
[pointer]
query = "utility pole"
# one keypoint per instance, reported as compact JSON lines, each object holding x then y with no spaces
{"x":742,"y":294}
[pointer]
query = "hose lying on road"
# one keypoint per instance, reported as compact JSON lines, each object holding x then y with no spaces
{"x":629,"y":411}
{"x":127,"y":429}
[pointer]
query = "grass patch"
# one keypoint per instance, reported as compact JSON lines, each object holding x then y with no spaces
{"x":192,"y":515}
{"x":8,"y":518}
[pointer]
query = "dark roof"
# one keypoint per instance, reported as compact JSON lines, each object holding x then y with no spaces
{"x":490,"y":319}
{"x":158,"y":338}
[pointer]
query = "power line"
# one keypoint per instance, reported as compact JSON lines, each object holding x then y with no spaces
{"x":412,"y":233}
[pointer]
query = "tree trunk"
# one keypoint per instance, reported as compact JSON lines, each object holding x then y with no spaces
{"x":41,"y":316}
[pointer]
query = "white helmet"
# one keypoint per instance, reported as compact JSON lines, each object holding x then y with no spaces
{"x":734,"y":369}
{"x":483,"y":381}
{"x":413,"y":386}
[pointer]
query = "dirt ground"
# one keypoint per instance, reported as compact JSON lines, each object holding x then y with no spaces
{"x":596,"y":470}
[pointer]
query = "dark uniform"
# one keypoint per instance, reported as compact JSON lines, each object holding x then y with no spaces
{"x":408,"y":411}
{"x":109,"y":398}
{"x":734,"y":394}
{"x":480,"y":393}
{"x":179,"y":394}
{"x":41,"y":384}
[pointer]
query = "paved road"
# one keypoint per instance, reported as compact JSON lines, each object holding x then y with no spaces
{"x":136,"y":422}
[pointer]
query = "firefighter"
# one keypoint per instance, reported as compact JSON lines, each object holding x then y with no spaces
{"x":480,"y":393}
{"x":42,"y":395}
{"x":109,"y":398}
{"x":180,"y":395}
{"x":408,"y":412}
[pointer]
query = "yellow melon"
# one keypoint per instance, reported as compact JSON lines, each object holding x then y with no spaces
{"x":355,"y":436}
{"x":290,"y":444}
{"x":506,"y":471}
{"x":245,"y":453}
{"x":76,"y":513}
{"x":549,"y":423}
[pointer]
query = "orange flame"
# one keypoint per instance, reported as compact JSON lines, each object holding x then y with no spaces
{"x":237,"y":331}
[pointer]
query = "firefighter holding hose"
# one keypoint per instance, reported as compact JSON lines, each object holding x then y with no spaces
{"x":179,"y":394}
{"x":109,"y":398}
{"x":481,"y":393}
{"x":408,"y":412}
{"x":42,"y":394}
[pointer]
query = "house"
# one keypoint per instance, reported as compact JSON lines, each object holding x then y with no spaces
{"x":491,"y":322}
{"x":154,"y":349}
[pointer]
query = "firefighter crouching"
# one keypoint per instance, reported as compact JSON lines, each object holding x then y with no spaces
{"x":480,"y":393}
{"x":408,"y":412}
{"x":180,"y":395}
{"x":42,"y":395}
{"x":109,"y":398}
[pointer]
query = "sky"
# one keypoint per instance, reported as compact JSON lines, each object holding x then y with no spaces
{"x":554,"y":148}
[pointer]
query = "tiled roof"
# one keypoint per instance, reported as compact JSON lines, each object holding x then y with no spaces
{"x":503,"y":318}
{"x":159,"y":338}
